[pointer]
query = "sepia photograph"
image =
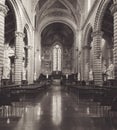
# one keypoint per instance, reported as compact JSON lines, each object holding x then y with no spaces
{"x":58,"y":64}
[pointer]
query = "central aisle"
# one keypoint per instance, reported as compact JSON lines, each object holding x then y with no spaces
{"x":59,"y":110}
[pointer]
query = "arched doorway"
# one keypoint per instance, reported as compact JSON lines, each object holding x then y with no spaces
{"x":9,"y":46}
{"x":57,"y":43}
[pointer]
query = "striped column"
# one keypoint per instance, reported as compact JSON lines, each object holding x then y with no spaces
{"x":3,"y":13}
{"x":97,"y":66}
{"x":114,"y":12}
{"x":19,"y":57}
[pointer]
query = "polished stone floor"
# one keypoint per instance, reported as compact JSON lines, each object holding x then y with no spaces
{"x":56,"y":109}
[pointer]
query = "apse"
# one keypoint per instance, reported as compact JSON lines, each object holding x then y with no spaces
{"x":57,"y":40}
{"x":57,"y":32}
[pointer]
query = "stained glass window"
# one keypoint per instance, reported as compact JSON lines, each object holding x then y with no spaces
{"x":57,"y":58}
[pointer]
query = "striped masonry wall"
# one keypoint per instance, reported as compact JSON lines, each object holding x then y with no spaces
{"x":114,"y":12}
{"x":97,"y":67}
{"x":19,"y":57}
{"x":3,"y":13}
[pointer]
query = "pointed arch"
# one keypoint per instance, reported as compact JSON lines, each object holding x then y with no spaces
{"x":17,"y":15}
{"x":48,"y":21}
{"x":88,"y":33}
{"x":100,"y":14}
{"x":27,"y":27}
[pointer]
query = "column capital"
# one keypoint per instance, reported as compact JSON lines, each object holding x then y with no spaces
{"x":113,"y":8}
{"x":4,"y":9}
{"x":19,"y":34}
{"x":97,"y":33}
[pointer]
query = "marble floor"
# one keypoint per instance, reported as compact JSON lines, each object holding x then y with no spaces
{"x":56,"y":109}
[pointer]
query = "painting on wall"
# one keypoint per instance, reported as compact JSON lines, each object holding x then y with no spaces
{"x":67,"y":62}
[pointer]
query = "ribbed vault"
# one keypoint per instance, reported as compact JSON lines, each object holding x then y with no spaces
{"x":57,"y":32}
{"x":64,"y":8}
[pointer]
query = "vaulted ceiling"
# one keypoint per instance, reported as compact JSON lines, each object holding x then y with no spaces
{"x":66,"y":8}
{"x":57,"y":32}
{"x":74,"y":3}
{"x":61,"y":32}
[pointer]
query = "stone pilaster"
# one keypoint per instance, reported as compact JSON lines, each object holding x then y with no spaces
{"x":19,"y":57}
{"x":3,"y":13}
{"x":82,"y":64}
{"x":29,"y":65}
{"x":77,"y":52}
{"x":97,"y":67}
{"x":76,"y":43}
{"x":86,"y":50}
{"x":114,"y":12}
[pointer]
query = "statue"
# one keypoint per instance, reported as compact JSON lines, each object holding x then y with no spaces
{"x":104,"y":69}
{"x":66,"y":76}
{"x":110,"y":71}
{"x":90,"y":75}
{"x":104,"y":72}
{"x":6,"y":69}
{"x":23,"y":71}
{"x":7,"y":63}
{"x":79,"y":78}
{"x":47,"y":76}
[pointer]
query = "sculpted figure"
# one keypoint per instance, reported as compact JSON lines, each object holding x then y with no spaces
{"x":110,"y":71}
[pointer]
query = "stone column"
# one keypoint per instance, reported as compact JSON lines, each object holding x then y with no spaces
{"x":76,"y":44}
{"x":37,"y":55}
{"x":19,"y":57}
{"x":86,"y":49}
{"x":77,"y":59}
{"x":3,"y":13}
{"x":97,"y":65}
{"x":114,"y":12}
{"x":82,"y":64}
{"x":74,"y":56}
{"x":30,"y":65}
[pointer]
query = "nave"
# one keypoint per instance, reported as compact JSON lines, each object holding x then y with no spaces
{"x":56,"y":109}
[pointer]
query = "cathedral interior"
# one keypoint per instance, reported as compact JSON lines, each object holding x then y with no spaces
{"x":58,"y":64}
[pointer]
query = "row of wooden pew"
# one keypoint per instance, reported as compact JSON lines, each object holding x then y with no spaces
{"x":10,"y":93}
{"x":105,"y":96}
